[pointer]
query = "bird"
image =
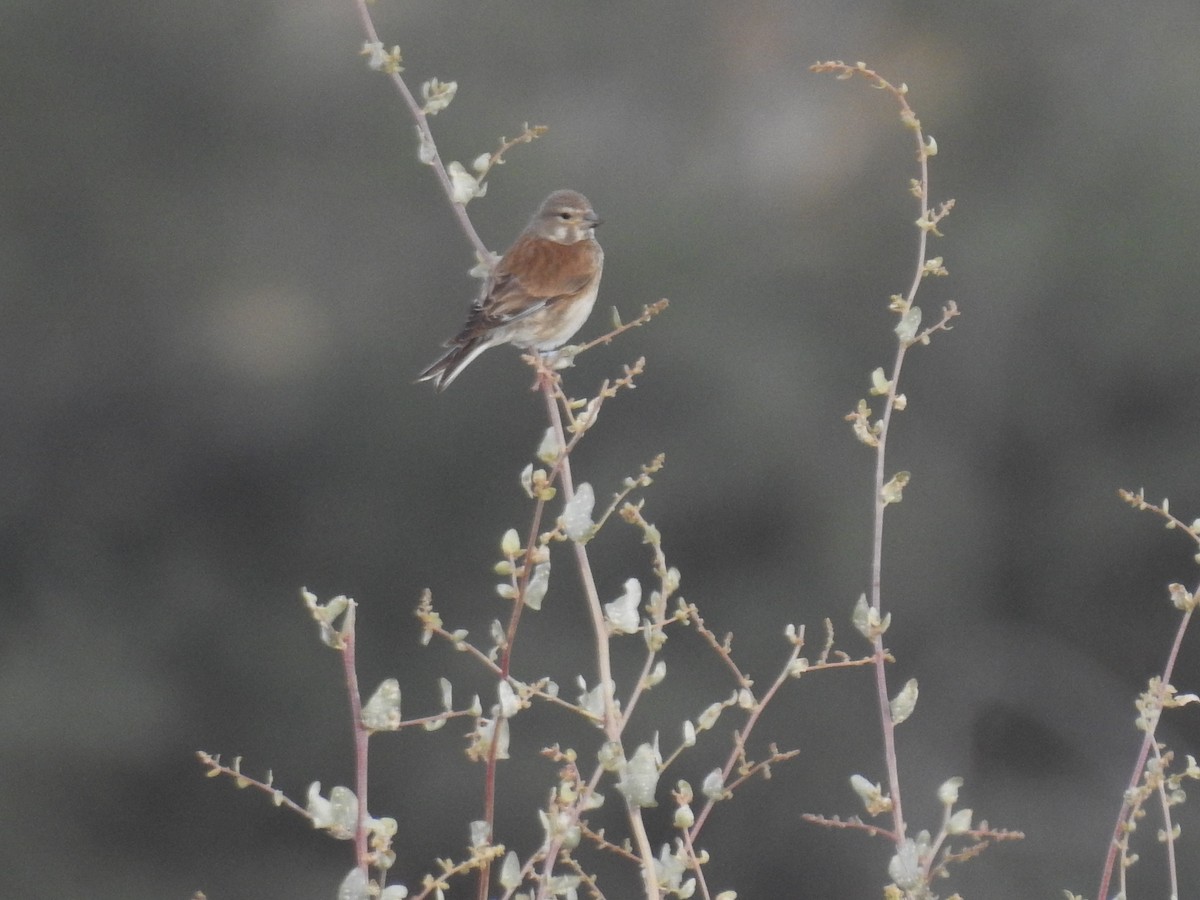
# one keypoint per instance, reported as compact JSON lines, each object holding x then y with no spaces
{"x":540,"y":292}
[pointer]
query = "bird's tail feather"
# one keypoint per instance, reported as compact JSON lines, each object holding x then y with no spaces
{"x":457,"y":358}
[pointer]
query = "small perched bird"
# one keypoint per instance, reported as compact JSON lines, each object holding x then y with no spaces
{"x":540,"y":292}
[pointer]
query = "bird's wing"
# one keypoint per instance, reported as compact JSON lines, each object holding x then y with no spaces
{"x":549,"y":272}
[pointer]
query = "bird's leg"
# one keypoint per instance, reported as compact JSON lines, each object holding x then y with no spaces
{"x":543,"y":370}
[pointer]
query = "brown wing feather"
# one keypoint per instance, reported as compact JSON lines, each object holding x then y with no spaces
{"x":551,"y":272}
{"x":549,"y":267}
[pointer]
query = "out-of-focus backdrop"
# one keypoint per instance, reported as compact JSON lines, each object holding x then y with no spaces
{"x":221,"y":266}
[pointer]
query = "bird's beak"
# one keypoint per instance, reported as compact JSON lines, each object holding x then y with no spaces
{"x":592,"y":219}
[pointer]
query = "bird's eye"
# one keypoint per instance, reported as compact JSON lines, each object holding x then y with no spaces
{"x":564,"y":216}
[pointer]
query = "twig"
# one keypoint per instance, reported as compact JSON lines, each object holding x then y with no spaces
{"x":216,"y":767}
{"x":1138,"y":501}
{"x":926,"y":224}
{"x":612,"y":721}
{"x":422,"y":120}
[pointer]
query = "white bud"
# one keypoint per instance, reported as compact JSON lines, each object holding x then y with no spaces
{"x":510,"y":544}
{"x":657,"y":674}
{"x":577,"y":513}
{"x":708,"y":718}
{"x":948,"y":791}
{"x":539,"y":581}
{"x":713,"y":786}
{"x":510,"y":871}
{"x":426,"y":150}
{"x":905,"y":867}
{"x":639,"y":777}
{"x":509,"y":704}
{"x":480,"y":833}
{"x":549,"y":449}
{"x":621,"y":615}
{"x":684,"y":817}
{"x":382,"y":711}
{"x":463,"y":185}
{"x":903,"y":704}
{"x":893,"y":491}
{"x":438,"y":95}
{"x":354,"y":886}
{"x":908,"y":325}
{"x":960,"y":822}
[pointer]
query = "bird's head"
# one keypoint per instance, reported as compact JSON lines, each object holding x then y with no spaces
{"x":565,"y":217}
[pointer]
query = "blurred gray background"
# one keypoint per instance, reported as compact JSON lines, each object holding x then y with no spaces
{"x":222,"y":266}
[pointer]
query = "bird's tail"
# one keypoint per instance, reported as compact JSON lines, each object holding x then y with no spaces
{"x":457,"y":358}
